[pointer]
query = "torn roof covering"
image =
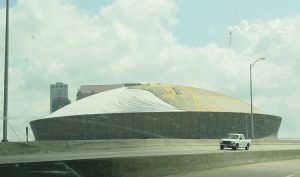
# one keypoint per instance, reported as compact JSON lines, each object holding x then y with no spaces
{"x":154,"y":98}
{"x":121,"y":100}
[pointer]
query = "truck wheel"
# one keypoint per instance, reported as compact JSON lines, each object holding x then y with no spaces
{"x":236,"y":147}
{"x":221,"y":147}
{"x":247,"y":147}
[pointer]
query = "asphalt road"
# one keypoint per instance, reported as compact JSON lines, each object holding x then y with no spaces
{"x":130,"y":152}
{"x":286,"y":168}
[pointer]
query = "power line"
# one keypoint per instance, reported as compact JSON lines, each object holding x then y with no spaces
{"x":14,"y":131}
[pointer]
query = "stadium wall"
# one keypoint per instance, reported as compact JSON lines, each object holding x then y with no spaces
{"x":182,"y":125}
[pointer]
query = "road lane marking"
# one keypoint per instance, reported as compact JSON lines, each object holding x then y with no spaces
{"x":290,"y":176}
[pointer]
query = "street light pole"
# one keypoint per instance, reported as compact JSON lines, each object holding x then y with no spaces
{"x":252,"y":122}
{"x":252,"y":127}
{"x":247,"y":127}
{"x":6,"y":75}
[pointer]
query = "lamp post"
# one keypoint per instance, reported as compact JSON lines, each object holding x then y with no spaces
{"x":251,"y":66}
{"x":6,"y":75}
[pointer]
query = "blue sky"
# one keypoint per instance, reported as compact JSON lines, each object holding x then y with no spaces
{"x":201,"y":22}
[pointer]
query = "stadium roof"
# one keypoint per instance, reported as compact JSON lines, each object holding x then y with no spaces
{"x":154,"y":98}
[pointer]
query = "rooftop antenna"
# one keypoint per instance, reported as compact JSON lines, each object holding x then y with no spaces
{"x":6,"y":75}
{"x":230,"y":39}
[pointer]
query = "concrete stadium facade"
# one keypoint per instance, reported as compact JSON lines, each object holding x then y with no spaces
{"x":204,"y":125}
{"x":135,"y":117}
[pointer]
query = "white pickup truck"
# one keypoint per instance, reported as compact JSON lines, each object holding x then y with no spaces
{"x":235,"y":141}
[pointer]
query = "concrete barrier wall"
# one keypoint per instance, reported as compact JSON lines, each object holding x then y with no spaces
{"x":175,"y":164}
{"x":148,"y":166}
{"x":187,"y":125}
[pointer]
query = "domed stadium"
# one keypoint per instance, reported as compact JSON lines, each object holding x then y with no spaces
{"x":155,"y":111}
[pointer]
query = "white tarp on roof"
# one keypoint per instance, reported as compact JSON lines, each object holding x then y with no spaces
{"x":121,"y":100}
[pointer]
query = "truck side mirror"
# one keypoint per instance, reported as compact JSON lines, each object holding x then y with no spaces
{"x":240,"y":138}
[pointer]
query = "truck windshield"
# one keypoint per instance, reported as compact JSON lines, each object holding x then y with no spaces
{"x":232,"y":136}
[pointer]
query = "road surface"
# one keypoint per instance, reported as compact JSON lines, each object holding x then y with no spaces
{"x":286,"y":168}
{"x":131,"y":152}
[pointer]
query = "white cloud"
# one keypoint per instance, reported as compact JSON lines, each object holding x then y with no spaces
{"x":276,"y":80}
{"x":129,"y":41}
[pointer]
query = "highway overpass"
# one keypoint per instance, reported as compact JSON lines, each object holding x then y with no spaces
{"x":134,"y":157}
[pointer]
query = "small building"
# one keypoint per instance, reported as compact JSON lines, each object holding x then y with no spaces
{"x":88,"y":90}
{"x":58,"y":96}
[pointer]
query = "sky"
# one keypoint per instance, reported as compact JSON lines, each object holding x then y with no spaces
{"x":153,"y":41}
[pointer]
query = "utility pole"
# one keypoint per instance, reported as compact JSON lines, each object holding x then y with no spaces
{"x":6,"y":75}
{"x":252,"y":122}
